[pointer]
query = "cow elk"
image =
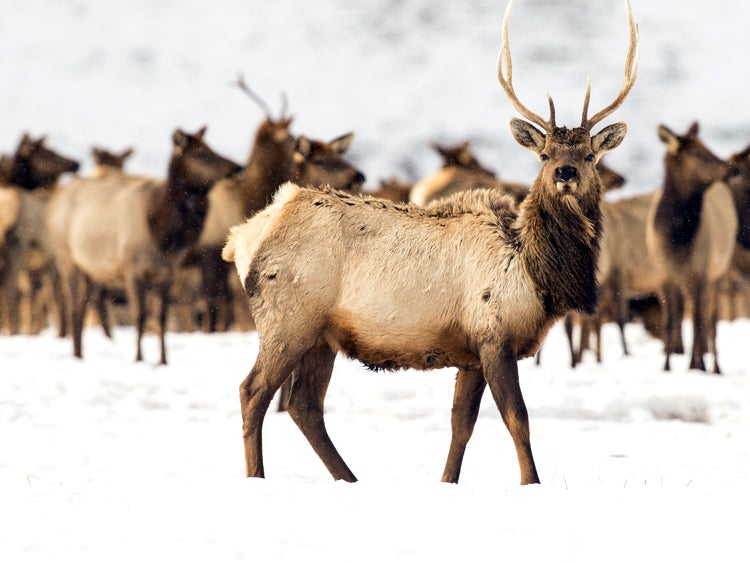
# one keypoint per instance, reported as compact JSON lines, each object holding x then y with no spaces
{"x":107,"y":162}
{"x":691,"y":233}
{"x":30,"y":176}
{"x":471,"y":281}
{"x":134,"y":234}
{"x":460,"y":170}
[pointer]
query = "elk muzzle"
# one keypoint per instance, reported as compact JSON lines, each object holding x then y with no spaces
{"x":566,"y":179}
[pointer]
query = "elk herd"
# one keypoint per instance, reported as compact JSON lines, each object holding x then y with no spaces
{"x":459,"y":269}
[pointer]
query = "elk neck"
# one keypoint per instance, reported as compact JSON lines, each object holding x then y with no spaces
{"x":558,"y":242}
{"x":678,"y":214}
{"x":176,"y":216}
{"x":271,"y":163}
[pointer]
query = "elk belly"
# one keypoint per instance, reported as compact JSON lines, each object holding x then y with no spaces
{"x":381,"y":345}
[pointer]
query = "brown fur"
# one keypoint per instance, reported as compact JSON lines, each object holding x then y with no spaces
{"x":134,"y":233}
{"x":397,"y":286}
{"x":472,"y":282}
{"x":461,"y":170}
{"x":32,"y":172}
{"x":691,"y":233}
{"x":107,"y":162}
{"x":276,"y":157}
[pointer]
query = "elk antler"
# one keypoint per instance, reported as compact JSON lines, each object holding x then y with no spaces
{"x":631,"y":72}
{"x":242,"y":85}
{"x":504,"y":60}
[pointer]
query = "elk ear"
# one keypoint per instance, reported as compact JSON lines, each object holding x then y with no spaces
{"x":127,"y":153}
{"x":202,"y":131}
{"x":670,"y":139}
{"x":26,"y":145}
{"x":179,"y":139}
{"x":96,"y":154}
{"x":693,"y":131}
{"x":527,"y":135}
{"x":341,"y":144}
{"x":609,"y":138}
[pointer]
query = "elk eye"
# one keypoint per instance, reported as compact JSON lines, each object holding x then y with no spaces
{"x":590,"y":158}
{"x":543,"y":157}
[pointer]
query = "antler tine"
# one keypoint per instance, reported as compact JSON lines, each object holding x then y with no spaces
{"x":240,"y":82}
{"x":504,"y":62}
{"x":284,"y":104}
{"x":631,"y":72}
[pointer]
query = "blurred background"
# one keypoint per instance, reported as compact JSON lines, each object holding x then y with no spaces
{"x":400,"y":74}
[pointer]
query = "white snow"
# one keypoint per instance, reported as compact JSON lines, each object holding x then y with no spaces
{"x":107,"y":460}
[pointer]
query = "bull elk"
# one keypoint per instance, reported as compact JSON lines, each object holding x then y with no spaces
{"x":691,"y":233}
{"x":133,"y":234}
{"x":472,"y":282}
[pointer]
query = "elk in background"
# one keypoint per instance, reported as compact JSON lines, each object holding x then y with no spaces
{"x":133,"y":234}
{"x":107,"y":162}
{"x":25,"y":256}
{"x":392,"y":189}
{"x":472,"y":281}
{"x":276,"y":157}
{"x":739,"y":185}
{"x":461,"y":170}
{"x":691,"y":233}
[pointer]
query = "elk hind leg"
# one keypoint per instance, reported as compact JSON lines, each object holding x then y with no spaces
{"x":306,"y":399}
{"x":501,"y":373}
{"x":256,"y":392}
{"x":467,"y":396}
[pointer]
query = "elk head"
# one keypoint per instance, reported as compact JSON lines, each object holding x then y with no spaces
{"x":568,"y":156}
{"x":320,"y":164}
{"x":460,"y":155}
{"x":690,"y":166}
{"x":35,"y":166}
{"x":196,"y":165}
{"x":103,"y":157}
{"x":273,"y":135}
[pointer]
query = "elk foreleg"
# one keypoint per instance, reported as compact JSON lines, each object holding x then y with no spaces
{"x":306,"y":399}
{"x":713,"y":324}
{"x":467,"y":396}
{"x":501,"y":373}
{"x":700,"y":306}
{"x":163,"y":295}
{"x":136,"y":292}
{"x":671,"y":318}
{"x":80,"y":292}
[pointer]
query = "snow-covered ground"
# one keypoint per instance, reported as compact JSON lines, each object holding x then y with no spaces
{"x":103,"y":459}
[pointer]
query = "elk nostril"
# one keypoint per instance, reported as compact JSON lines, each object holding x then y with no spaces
{"x":359,"y":178}
{"x":566,"y":173}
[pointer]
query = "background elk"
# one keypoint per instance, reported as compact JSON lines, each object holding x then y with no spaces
{"x":461,"y":170}
{"x":471,"y":281}
{"x":392,"y":189}
{"x":25,"y":256}
{"x":134,"y":234}
{"x":276,"y":157}
{"x":691,"y":233}
{"x":108,"y":162}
